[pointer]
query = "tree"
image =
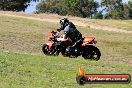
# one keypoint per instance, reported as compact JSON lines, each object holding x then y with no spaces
{"x":81,"y":8}
{"x":14,"y":5}
{"x":130,"y":9}
{"x":109,"y":5}
{"x":116,"y":9}
{"x":52,"y":6}
{"x":99,"y":15}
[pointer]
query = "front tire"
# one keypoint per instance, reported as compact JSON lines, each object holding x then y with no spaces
{"x":45,"y":49}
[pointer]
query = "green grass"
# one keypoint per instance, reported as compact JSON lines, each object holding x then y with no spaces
{"x":34,"y":70}
{"x":23,"y":35}
{"x":121,"y":24}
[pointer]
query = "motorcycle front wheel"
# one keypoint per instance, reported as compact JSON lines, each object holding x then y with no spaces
{"x":47,"y":51}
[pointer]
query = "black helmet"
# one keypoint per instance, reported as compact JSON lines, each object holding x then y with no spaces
{"x":64,"y":22}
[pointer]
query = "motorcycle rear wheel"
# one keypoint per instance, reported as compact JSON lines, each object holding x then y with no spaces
{"x":92,"y":53}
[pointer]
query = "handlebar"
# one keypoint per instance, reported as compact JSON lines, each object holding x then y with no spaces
{"x":55,"y":33}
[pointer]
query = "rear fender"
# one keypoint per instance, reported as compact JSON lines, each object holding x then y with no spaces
{"x":87,"y":41}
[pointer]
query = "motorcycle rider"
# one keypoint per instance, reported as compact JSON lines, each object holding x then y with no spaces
{"x":71,"y":32}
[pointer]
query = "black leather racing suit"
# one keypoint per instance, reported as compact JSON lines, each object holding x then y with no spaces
{"x":71,"y":32}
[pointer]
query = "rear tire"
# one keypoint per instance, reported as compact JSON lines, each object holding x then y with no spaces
{"x":96,"y":52}
{"x":92,"y":53}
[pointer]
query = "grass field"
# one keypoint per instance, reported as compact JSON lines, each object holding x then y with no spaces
{"x":125,"y":24}
{"x":22,"y":64}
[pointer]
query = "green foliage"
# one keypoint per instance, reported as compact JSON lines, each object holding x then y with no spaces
{"x":99,"y":15}
{"x":130,"y":13}
{"x":116,"y":9}
{"x":130,"y":9}
{"x":81,"y":8}
{"x":52,"y":6}
{"x":117,"y":14}
{"x":14,"y":5}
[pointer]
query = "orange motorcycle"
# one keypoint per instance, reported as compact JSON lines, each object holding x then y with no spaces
{"x":87,"y":49}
